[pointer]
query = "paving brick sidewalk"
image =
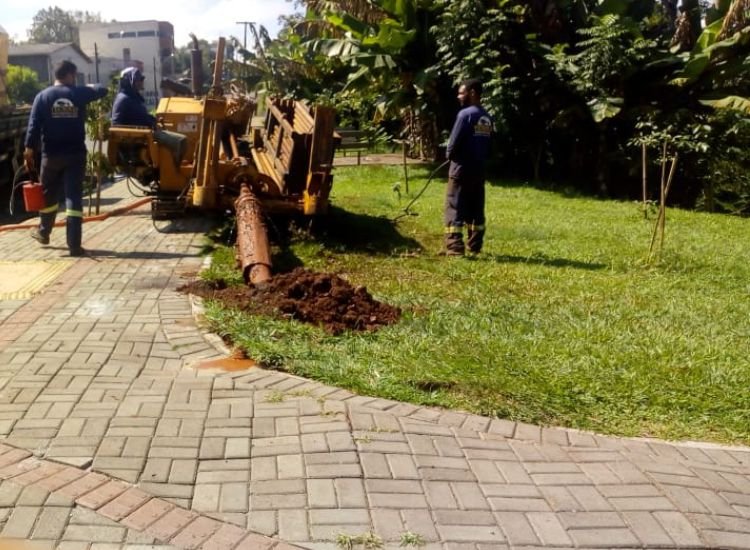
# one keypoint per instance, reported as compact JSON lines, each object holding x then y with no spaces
{"x":96,"y":375}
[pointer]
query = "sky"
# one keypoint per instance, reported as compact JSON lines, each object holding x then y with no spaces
{"x":208,"y":19}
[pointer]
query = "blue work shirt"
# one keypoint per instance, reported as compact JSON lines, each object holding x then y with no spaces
{"x":129,"y":108}
{"x":58,"y":118}
{"x":469,"y":144}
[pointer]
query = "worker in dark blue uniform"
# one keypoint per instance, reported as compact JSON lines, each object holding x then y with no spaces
{"x":58,"y":122}
{"x":468,"y":149}
{"x":129,"y":108}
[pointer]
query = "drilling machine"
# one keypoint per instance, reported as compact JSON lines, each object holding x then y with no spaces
{"x":202,"y":157}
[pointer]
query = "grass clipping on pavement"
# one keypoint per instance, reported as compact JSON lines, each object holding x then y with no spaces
{"x":560,"y":321}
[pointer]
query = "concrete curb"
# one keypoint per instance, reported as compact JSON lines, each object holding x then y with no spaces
{"x":514,"y":430}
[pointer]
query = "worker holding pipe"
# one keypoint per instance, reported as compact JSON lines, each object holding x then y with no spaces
{"x":57,"y":122}
{"x":468,"y":149}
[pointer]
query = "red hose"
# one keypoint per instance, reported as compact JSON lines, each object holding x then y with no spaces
{"x":97,"y":218}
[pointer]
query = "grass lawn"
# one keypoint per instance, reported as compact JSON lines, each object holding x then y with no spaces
{"x":560,"y":321}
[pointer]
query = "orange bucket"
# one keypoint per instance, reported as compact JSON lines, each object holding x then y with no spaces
{"x":33,"y":196}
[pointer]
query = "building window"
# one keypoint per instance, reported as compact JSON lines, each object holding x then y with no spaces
{"x":113,"y":35}
{"x":146,"y":33}
{"x":130,"y":34}
{"x":126,"y":55}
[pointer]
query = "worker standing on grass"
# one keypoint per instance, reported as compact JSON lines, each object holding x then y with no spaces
{"x":468,"y":149}
{"x":129,"y":108}
{"x":58,"y":122}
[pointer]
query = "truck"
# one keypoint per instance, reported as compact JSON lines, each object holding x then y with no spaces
{"x":13,"y":122}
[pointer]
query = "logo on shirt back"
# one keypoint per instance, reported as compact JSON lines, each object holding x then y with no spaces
{"x":64,"y":108}
{"x":483,"y":127}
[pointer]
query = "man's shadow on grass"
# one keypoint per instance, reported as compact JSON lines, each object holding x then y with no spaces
{"x":540,"y":259}
{"x":342,"y":232}
{"x":351,"y":232}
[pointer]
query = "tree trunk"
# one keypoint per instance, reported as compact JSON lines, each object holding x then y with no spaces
{"x":735,"y":19}
{"x":688,"y":26}
{"x":420,"y":135}
{"x":670,"y":12}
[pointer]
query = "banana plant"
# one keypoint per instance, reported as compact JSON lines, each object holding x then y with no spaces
{"x":390,"y":51}
{"x":368,"y":46}
{"x":716,"y":67}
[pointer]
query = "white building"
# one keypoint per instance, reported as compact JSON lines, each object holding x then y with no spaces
{"x":43,"y":58}
{"x":148,"y":45}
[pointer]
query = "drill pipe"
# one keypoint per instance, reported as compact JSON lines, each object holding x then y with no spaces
{"x":252,"y":238}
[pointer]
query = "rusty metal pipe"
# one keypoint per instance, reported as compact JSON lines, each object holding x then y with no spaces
{"x":233,"y":145}
{"x":219,"y":62}
{"x":196,"y":67}
{"x":252,"y":238}
{"x":196,"y":72}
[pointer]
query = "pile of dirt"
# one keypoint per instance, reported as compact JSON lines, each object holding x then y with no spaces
{"x":321,"y":299}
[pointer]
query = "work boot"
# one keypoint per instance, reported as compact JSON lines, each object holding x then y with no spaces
{"x":39,"y":237}
{"x":454,"y":244}
{"x":73,"y":231}
{"x":475,"y":241}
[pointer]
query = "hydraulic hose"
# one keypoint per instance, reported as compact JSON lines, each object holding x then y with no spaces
{"x":86,"y":219}
{"x":14,"y":185}
{"x":406,"y":211}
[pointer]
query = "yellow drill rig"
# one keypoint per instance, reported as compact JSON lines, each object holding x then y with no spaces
{"x":202,"y":157}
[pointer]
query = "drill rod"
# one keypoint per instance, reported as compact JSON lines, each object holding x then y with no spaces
{"x":252,"y":238}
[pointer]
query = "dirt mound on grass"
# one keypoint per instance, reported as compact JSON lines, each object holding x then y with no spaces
{"x":321,"y":299}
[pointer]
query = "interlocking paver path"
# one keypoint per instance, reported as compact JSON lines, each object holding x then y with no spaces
{"x":113,"y":440}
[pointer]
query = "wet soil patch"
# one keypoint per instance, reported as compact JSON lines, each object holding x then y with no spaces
{"x":321,"y":299}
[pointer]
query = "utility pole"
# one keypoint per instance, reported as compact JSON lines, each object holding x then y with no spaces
{"x":246,"y":24}
{"x":156,"y":90}
{"x":258,"y":45}
{"x":96,"y":62}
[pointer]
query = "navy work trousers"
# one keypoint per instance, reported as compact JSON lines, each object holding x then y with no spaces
{"x":464,"y":207}
{"x":62,"y":176}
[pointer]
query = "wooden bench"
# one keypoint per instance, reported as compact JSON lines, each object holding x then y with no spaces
{"x":353,"y":140}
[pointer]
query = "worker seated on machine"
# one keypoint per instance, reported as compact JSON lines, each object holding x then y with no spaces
{"x":129,"y":109}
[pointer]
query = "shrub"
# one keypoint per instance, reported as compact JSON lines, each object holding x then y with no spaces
{"x":22,"y":83}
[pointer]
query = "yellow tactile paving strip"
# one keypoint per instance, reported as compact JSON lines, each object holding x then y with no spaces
{"x":21,"y":280}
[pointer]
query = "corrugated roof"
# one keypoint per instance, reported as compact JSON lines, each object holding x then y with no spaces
{"x":35,"y":49}
{"x":44,"y":49}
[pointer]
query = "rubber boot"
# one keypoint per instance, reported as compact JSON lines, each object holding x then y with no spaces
{"x":46,"y":223}
{"x":475,"y":241}
{"x":74,"y":231}
{"x":454,"y":244}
